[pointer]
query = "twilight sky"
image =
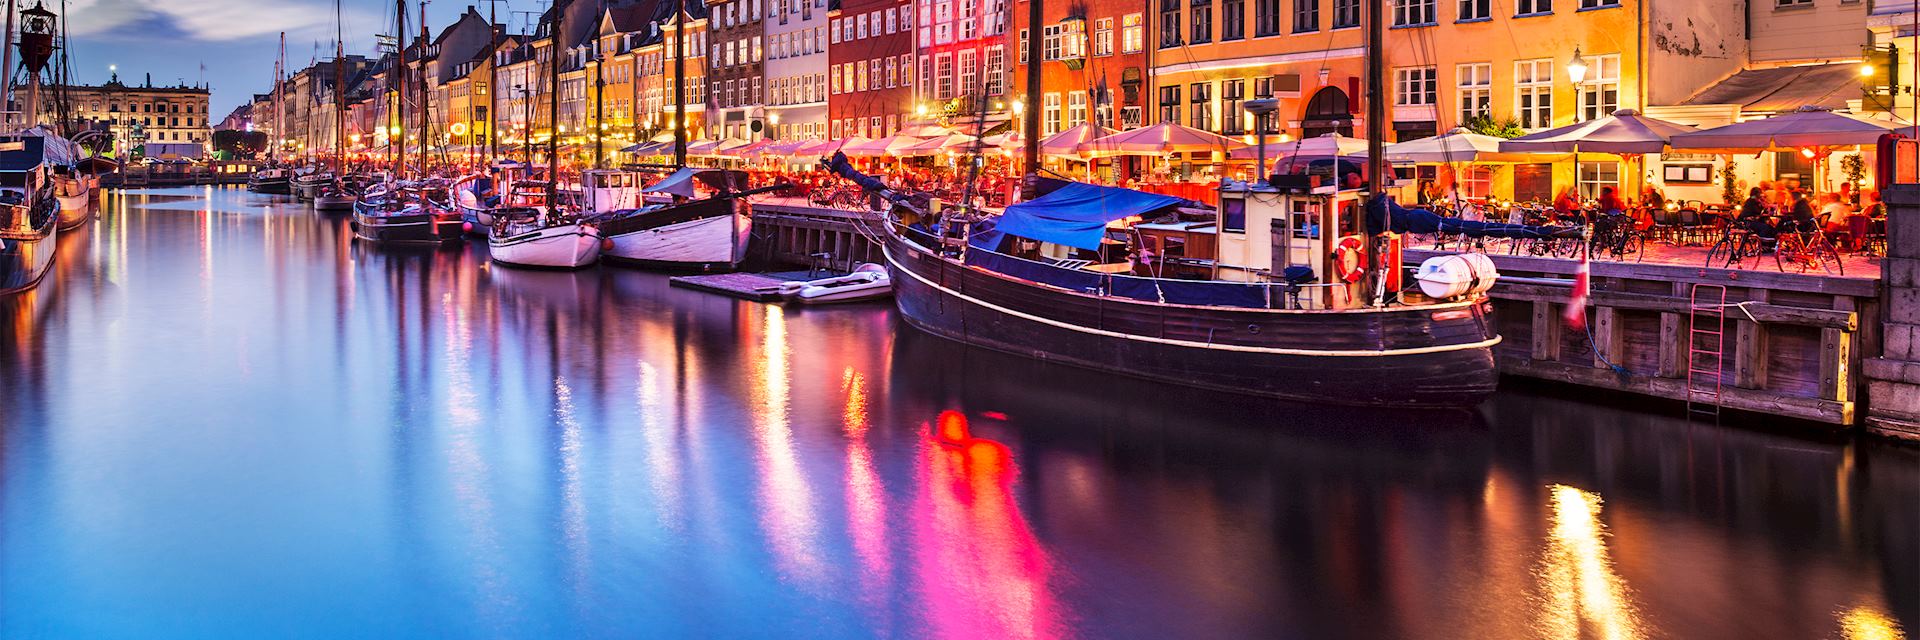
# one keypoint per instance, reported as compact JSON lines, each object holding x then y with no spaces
{"x":237,"y":40}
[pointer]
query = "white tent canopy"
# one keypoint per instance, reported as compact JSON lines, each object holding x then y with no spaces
{"x":1626,"y":131}
{"x":1804,"y":128}
{"x":1457,"y":145}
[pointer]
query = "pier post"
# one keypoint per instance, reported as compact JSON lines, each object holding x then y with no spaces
{"x":1893,"y":378}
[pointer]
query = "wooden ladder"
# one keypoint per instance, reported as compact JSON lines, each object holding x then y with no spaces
{"x":1706,"y":348}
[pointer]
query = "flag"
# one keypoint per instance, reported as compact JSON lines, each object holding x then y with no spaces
{"x":1576,"y":314}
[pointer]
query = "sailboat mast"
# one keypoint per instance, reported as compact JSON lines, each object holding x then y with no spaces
{"x":1376,"y":131}
{"x":553,"y":104}
{"x":339,"y":94}
{"x":679,"y":83}
{"x":1030,"y":141}
{"x":6,"y":67}
{"x":399,"y":74}
{"x":279,"y":95}
{"x":599,"y":91}
{"x":423,"y":89}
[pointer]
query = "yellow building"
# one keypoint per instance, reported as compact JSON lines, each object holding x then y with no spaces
{"x":1448,"y":62}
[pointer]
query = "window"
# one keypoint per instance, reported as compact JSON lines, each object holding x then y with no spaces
{"x":1170,"y":104}
{"x":892,"y":23}
{"x":1133,"y":33}
{"x":1594,"y":175}
{"x":1266,"y":17}
{"x":1103,"y":37}
{"x":1050,"y":47}
{"x":1201,"y":105}
{"x":1412,"y":12}
{"x":893,"y":72}
{"x":1050,"y":113}
{"x":1602,"y":4}
{"x":943,"y":76}
{"x":833,"y":79}
{"x":1346,"y":14}
{"x":1475,"y":10}
{"x":997,"y":70}
{"x":969,"y":72}
{"x":1233,"y":91}
{"x":1600,"y":94}
{"x":1202,"y":16}
{"x":1023,"y":46}
{"x":969,"y":20}
{"x":1169,"y":24}
{"x":1531,"y":7}
{"x":1306,"y":16}
{"x":1233,"y":19}
{"x":860,"y":76}
{"x":1129,"y":117}
{"x":1413,"y":87}
{"x":1076,"y":108}
{"x":1533,"y":93}
{"x":1475,"y":89}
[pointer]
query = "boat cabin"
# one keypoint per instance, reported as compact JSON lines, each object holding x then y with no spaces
{"x":610,"y":190}
{"x":1266,"y":230}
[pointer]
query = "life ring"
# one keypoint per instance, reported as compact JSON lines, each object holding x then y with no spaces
{"x":1348,"y":261}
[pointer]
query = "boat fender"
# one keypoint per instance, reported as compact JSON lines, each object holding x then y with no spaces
{"x":466,"y":227}
{"x":606,"y":244}
{"x":1348,"y":263}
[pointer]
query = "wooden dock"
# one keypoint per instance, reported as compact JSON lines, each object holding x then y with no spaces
{"x":1794,"y":344}
{"x":758,"y":287}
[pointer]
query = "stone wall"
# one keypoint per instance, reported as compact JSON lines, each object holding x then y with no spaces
{"x":1893,"y":378}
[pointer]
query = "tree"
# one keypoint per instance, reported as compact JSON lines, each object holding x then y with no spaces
{"x":1487,"y":125}
{"x":239,"y":144}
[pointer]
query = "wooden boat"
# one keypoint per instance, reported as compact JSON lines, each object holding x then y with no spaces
{"x":271,"y":180}
{"x":867,"y":282}
{"x":307,"y":186}
{"x":29,"y":213}
{"x":535,"y":238}
{"x":404,"y":214}
{"x":1314,"y":337}
{"x":335,"y":196}
{"x":75,"y":192}
{"x":709,"y":233}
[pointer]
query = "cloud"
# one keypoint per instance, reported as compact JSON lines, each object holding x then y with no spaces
{"x":202,"y":20}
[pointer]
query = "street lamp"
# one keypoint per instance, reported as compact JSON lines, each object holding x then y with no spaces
{"x":1577,"y":68}
{"x":1261,"y":109}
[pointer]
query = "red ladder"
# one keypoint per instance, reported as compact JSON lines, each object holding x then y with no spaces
{"x":1706,"y":348}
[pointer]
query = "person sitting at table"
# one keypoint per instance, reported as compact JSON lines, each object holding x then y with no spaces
{"x":1873,"y":208}
{"x":1753,"y":214}
{"x":1653,"y":199}
{"x":1567,"y":205}
{"x":1609,"y":202}
{"x":1834,"y":209}
{"x":1801,"y":217}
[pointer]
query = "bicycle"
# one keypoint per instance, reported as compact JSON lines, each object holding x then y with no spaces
{"x":1734,"y":247}
{"x":1807,"y":250}
{"x":1618,"y":236}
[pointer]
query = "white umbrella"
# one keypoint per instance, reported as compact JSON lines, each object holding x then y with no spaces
{"x":1626,"y":131}
{"x":1069,"y":141}
{"x":1331,"y":144}
{"x":1806,"y":127}
{"x":1160,"y":139}
{"x":1457,"y":145}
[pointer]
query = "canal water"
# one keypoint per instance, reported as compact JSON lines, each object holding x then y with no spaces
{"x":222,"y":417}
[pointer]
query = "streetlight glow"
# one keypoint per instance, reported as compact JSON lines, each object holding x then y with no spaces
{"x":1577,"y":68}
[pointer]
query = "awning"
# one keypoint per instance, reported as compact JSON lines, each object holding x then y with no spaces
{"x":680,"y":183}
{"x":1783,"y":89}
{"x":1076,"y":215}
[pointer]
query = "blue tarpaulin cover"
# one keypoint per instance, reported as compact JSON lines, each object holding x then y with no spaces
{"x":1076,"y":215}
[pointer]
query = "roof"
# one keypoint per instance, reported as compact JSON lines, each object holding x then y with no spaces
{"x":1782,"y":89}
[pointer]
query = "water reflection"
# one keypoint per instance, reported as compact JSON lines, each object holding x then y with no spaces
{"x":222,"y":417}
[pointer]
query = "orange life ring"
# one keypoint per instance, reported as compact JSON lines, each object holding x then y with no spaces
{"x":1349,"y":263}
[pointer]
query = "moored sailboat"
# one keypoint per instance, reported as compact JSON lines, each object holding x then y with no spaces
{"x":29,"y":213}
{"x":536,"y":238}
{"x":692,"y":233}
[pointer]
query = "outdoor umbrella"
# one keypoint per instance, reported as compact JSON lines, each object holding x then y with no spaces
{"x":954,"y":141}
{"x":826,"y":148}
{"x":1626,"y":131}
{"x":1069,"y":141}
{"x":1458,"y":145}
{"x":726,"y":147}
{"x":1332,"y":144}
{"x":745,"y":150}
{"x":1160,"y":139}
{"x":785,"y":149}
{"x":702,"y":147}
{"x":1806,"y":127}
{"x":1003,"y":141}
{"x":889,"y":146}
{"x":927,"y":131}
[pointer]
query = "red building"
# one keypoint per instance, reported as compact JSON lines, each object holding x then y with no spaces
{"x":1093,"y":65}
{"x":870,"y":68}
{"x":963,"y":53}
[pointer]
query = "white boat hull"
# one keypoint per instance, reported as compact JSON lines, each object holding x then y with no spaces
{"x":707,"y":242}
{"x":568,"y":246}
